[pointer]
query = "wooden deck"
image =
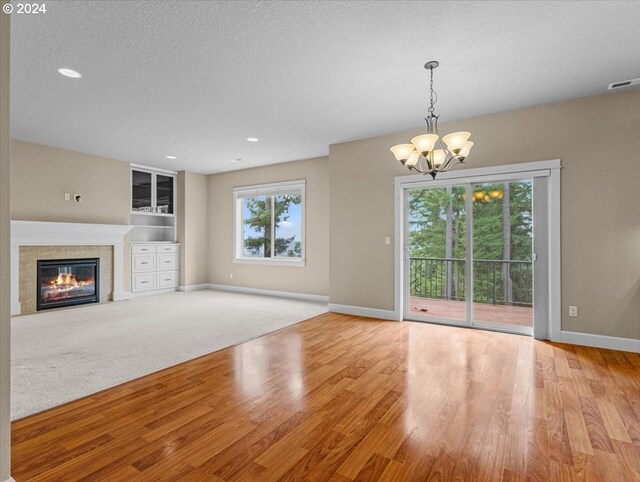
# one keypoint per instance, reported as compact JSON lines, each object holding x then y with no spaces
{"x":456,"y":310}
{"x":348,"y":398}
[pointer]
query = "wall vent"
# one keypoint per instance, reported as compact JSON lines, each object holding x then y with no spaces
{"x":623,"y":83}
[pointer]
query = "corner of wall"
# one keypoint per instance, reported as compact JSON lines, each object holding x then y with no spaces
{"x":181,"y":235}
{"x":5,"y":250}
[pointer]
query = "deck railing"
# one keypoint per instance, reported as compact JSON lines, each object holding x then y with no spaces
{"x":495,"y":281}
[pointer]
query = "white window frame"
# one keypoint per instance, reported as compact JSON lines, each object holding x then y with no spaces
{"x":272,"y":189}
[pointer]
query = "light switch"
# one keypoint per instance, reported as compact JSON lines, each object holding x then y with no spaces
{"x":387,"y":240}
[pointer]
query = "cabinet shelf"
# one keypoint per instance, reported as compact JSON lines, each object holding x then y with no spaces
{"x":160,"y":215}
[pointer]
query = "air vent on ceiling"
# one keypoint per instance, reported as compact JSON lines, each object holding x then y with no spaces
{"x":623,"y":83}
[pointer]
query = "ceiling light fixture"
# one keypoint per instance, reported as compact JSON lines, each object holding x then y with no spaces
{"x":235,"y":160}
{"x":171,"y":157}
{"x":253,"y":139}
{"x":421,"y":155}
{"x":70,"y":73}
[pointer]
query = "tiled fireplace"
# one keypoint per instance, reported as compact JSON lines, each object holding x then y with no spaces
{"x":31,"y":282}
{"x":55,"y":265}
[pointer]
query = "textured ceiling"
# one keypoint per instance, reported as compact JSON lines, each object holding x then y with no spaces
{"x":194,"y":79}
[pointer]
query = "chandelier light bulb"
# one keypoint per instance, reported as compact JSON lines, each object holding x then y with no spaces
{"x":402,"y":151}
{"x":425,"y":143}
{"x":438,"y":157}
{"x":465,"y":150}
{"x":413,"y":159}
{"x":456,"y":141}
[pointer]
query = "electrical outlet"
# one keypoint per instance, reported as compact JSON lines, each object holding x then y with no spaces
{"x":573,"y":311}
{"x":67,"y":196}
{"x":387,"y":240}
{"x":230,"y":275}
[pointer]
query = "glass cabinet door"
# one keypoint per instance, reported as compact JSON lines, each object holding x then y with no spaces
{"x":164,"y":194}
{"x":141,"y":191}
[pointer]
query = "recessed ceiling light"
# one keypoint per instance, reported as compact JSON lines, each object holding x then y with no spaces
{"x":171,"y":157}
{"x":70,"y":73}
{"x":235,"y":160}
{"x":253,"y":139}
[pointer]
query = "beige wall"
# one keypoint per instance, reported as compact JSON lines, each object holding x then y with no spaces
{"x":193,"y":235}
{"x":598,"y":141}
{"x":40,"y":176}
{"x":311,"y":279}
{"x":5,"y":245}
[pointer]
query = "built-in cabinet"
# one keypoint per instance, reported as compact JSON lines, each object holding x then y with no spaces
{"x":153,"y":204}
{"x":154,"y":266}
{"x":154,"y":252}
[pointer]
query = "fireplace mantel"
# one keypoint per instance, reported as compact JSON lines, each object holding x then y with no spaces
{"x":44,"y":233}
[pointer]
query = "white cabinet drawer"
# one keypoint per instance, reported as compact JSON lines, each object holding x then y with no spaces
{"x":167,"y":261}
{"x":143,"y":249}
{"x":144,"y":262}
{"x":167,"y":248}
{"x":167,"y":279}
{"x":144,"y":282}
{"x":154,"y":267}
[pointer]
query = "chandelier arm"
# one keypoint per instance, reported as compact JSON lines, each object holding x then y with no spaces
{"x":447,"y":164}
{"x":457,"y":161}
{"x":424,"y":164}
{"x":429,"y":164}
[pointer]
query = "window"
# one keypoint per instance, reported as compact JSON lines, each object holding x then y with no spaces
{"x":269,"y":224}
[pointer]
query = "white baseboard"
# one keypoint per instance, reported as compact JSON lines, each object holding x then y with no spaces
{"x":151,"y":293}
{"x":361,"y":311}
{"x":280,"y":294}
{"x":600,"y":341}
{"x":10,"y":479}
{"x":187,"y":288}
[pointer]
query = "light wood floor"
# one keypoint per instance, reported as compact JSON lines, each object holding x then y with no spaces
{"x":347,"y":398}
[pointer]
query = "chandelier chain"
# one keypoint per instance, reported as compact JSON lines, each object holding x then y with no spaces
{"x":431,"y":109}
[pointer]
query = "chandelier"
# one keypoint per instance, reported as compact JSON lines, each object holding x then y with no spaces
{"x":427,"y":153}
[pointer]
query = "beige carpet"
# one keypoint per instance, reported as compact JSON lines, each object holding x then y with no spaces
{"x":62,"y":355}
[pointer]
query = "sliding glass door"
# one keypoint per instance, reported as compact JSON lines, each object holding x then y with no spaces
{"x":469,"y":253}
{"x":437,"y":253}
{"x":503,"y":254}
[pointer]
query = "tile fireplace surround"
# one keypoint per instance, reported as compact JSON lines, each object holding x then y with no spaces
{"x":32,"y":240}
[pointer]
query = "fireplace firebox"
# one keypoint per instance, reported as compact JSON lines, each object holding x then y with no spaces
{"x":66,"y":282}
